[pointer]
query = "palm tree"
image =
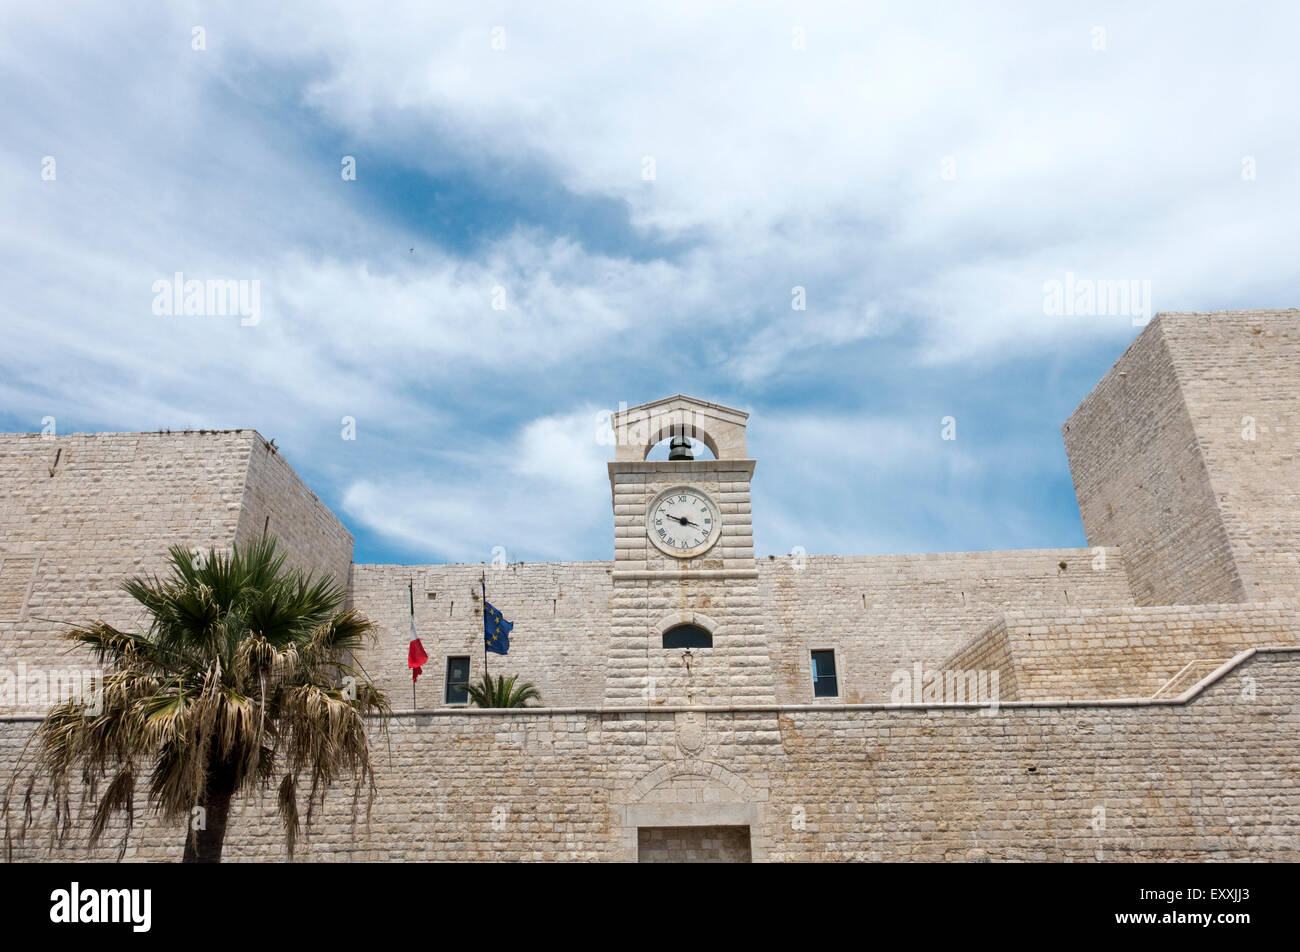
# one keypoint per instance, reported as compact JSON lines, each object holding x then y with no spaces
{"x":240,"y":678}
{"x":503,"y":692}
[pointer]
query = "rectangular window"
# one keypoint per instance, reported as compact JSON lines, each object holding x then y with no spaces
{"x":823,"y":674}
{"x":457,"y":675}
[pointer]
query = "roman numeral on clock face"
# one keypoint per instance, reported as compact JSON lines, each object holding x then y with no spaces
{"x":682,"y":522}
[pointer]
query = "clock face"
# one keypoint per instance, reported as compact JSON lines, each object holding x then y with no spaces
{"x":683,"y":522}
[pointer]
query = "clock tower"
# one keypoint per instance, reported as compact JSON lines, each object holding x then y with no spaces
{"x":687,"y":624}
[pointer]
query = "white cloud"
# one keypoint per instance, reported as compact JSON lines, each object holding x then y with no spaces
{"x":774,"y":168}
{"x":541,"y":495}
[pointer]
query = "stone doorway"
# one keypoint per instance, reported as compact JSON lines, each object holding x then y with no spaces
{"x":693,"y":844}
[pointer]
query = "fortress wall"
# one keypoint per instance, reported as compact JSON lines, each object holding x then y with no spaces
{"x":919,"y":608}
{"x":1211,"y":779}
{"x":111,"y":509}
{"x":1119,"y":653}
{"x":1239,"y":369}
{"x":1142,"y":483}
{"x":889,"y":612}
{"x":561,"y":612}
{"x":276,"y":500}
{"x":114,"y":505}
{"x":989,"y":651}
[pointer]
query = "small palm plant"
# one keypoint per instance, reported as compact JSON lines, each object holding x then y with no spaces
{"x":503,"y":692}
{"x":241,"y":677}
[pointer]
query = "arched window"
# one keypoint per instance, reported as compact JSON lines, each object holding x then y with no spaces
{"x":687,"y":636}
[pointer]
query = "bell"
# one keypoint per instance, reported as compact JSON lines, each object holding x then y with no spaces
{"x":679,"y":449}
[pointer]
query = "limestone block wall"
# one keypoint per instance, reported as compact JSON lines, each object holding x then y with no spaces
{"x":1209,"y":779}
{"x":737,"y":669}
{"x":1239,"y":373}
{"x":879,"y":613}
{"x":890,"y":612}
{"x":1142,"y":482}
{"x":561,"y":612}
{"x":1213,"y":780}
{"x":989,"y":651}
{"x":81,"y":513}
{"x":1118,"y":653}
{"x":276,"y":500}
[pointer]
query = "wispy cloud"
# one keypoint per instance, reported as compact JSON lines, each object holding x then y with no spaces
{"x":540,"y":495}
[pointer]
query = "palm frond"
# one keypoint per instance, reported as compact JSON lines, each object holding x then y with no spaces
{"x":236,"y":674}
{"x":501,"y":692}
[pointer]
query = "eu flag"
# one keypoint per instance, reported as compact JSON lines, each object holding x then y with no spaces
{"x":496,"y":630}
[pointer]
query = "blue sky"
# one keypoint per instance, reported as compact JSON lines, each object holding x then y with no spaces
{"x":921,"y":171}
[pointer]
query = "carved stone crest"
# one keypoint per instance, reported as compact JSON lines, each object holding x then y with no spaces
{"x":690,"y":732}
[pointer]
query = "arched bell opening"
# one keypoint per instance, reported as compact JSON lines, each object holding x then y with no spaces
{"x":677,"y":438}
{"x":677,"y":448}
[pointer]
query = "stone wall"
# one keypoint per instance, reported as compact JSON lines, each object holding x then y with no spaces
{"x":879,"y":613}
{"x":1240,"y":378}
{"x":890,"y":612}
{"x":1212,"y":778}
{"x":561,"y":612}
{"x":81,"y":513}
{"x":1186,"y":456}
{"x":1142,"y":482}
{"x":1113,"y":653}
{"x":275,"y":500}
{"x":989,"y":652}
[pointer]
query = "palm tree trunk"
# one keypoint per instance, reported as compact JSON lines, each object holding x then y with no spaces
{"x":204,"y":845}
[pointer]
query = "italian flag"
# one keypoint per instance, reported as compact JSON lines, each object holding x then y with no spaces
{"x":415,"y":655}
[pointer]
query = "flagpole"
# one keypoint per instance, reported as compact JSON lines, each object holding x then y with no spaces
{"x":410,"y":586}
{"x":482,"y":580}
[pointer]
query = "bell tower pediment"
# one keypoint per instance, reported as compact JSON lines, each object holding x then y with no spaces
{"x":637,"y":430}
